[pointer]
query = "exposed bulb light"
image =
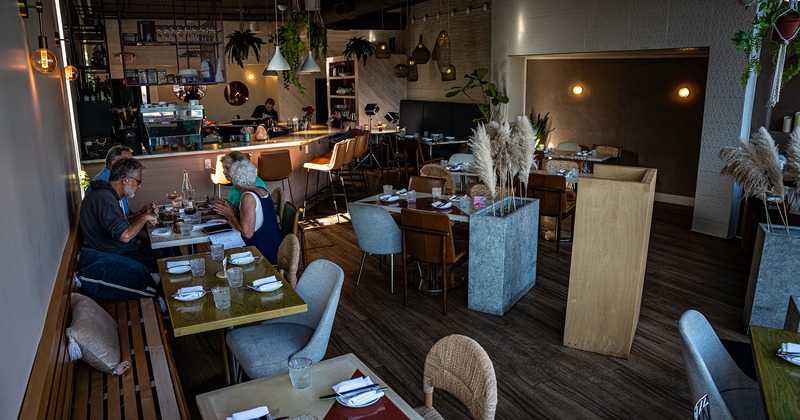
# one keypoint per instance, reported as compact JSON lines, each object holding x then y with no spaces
{"x":42,"y":59}
{"x":70,"y":73}
{"x":683,"y":92}
{"x":310,"y":66}
{"x":577,"y":90}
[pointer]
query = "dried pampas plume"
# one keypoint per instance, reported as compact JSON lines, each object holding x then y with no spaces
{"x":481,"y":145}
{"x":525,"y":145}
{"x":793,"y":153}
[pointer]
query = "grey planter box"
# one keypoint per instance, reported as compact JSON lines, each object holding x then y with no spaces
{"x":502,"y":256}
{"x":773,"y":277}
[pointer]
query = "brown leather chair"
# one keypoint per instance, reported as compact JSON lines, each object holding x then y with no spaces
{"x":435,"y":170}
{"x":276,"y":165}
{"x":425,"y":183}
{"x":329,"y":165}
{"x":414,"y":153}
{"x":354,"y":175}
{"x":394,"y":157}
{"x":428,"y":238}
{"x":551,"y":190}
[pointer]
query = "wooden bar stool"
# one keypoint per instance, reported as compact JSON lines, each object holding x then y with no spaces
{"x":276,"y":165}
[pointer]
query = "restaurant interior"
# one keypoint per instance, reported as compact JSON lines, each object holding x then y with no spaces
{"x":624,"y":267}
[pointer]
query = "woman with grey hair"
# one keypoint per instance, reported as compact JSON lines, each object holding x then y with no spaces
{"x":256,"y":220}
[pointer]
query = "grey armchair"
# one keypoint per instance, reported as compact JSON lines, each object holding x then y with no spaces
{"x":263,"y":350}
{"x":712,"y":371}
{"x":377,"y":233}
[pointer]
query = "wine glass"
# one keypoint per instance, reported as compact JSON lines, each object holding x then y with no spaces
{"x":175,"y":198}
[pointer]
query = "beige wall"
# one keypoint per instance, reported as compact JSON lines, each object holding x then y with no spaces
{"x":38,"y":191}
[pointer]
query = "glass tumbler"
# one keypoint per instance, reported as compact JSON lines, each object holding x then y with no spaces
{"x":217,"y":252}
{"x":222,"y":297}
{"x":198,"y":267}
{"x":300,"y":372}
{"x":235,"y":277}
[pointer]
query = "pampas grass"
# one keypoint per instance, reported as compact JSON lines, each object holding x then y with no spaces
{"x":481,"y":145}
{"x":793,"y":153}
{"x":522,"y":136}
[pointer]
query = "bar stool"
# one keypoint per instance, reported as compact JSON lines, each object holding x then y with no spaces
{"x":218,"y":177}
{"x":329,"y":165}
{"x":276,"y":165}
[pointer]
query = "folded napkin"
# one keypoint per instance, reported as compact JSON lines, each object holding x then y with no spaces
{"x":385,"y":197}
{"x":790,"y":348}
{"x":265,"y":280}
{"x":238,"y":255}
{"x":173,"y":264}
{"x":403,"y":191}
{"x":252,"y":413}
{"x":352,"y":384}
{"x":454,"y":198}
{"x":189,"y":290}
{"x":362,"y":398}
{"x":441,"y":205}
{"x":357,"y":399}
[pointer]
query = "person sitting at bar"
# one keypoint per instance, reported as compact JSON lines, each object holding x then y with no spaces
{"x":256,"y":219}
{"x":114,"y":154}
{"x":266,"y":111}
{"x":338,"y":121}
{"x":105,"y":227}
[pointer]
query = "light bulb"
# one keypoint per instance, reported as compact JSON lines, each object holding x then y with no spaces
{"x":577,"y":89}
{"x":44,"y":61}
{"x":683,"y":92}
{"x":70,"y":73}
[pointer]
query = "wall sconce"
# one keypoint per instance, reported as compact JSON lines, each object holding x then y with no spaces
{"x":70,"y":73}
{"x":577,"y":90}
{"x":250,"y":76}
{"x":683,"y":92}
{"x":43,"y":60}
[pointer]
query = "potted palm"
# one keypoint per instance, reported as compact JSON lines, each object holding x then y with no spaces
{"x":360,"y":47}
{"x":239,"y":45}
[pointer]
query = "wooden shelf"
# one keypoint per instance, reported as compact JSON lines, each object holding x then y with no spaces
{"x":342,"y":77}
{"x":171,"y":44}
{"x":344,"y":96}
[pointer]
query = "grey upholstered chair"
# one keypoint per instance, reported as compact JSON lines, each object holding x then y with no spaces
{"x":377,"y":233}
{"x":712,"y":371}
{"x":263,"y":350}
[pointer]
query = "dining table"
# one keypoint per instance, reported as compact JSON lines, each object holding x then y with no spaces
{"x":277,"y":394}
{"x":779,"y":379}
{"x":424,"y":202}
{"x":587,"y":159}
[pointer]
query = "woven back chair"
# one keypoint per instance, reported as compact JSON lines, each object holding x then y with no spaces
{"x":480,"y":189}
{"x":560,"y":164}
{"x":568,"y":146}
{"x":460,"y":366}
{"x":551,"y":190}
{"x":289,"y":259}
{"x":436,"y":171}
{"x":425,"y":183}
{"x":614,"y":152}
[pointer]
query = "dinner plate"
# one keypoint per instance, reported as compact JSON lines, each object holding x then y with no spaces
{"x":188,"y":297}
{"x":449,"y":138}
{"x":243,"y":261}
{"x":390,"y":199}
{"x":267,"y":287}
{"x":442,"y":206}
{"x":343,"y":401}
{"x":793,"y":359}
{"x":179,"y":269}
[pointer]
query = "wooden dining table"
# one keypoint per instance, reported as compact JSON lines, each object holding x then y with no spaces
{"x":277,"y":394}
{"x":424,"y":201}
{"x":779,"y":379}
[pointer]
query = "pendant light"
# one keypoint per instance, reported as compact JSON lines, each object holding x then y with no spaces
{"x":449,"y":74}
{"x":70,"y":73}
{"x":421,"y":54}
{"x":278,"y":63}
{"x":43,"y":60}
{"x":401,"y":70}
{"x":413,"y":74}
{"x":442,"y":51}
{"x":382,"y":50}
{"x":309,"y":66}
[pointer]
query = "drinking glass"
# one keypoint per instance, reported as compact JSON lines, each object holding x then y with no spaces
{"x":186,"y":228}
{"x":217,"y":252}
{"x":443,"y":162}
{"x":387,"y":189}
{"x":175,"y":198}
{"x":222,"y":296}
{"x":300,"y":372}
{"x":411,"y":196}
{"x":235,"y":278}
{"x":198,"y":267}
{"x":436,"y":192}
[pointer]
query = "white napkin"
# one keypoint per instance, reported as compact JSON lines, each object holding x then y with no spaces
{"x":403,"y":191}
{"x":173,"y":264}
{"x":356,"y":383}
{"x":265,"y":280}
{"x":238,"y":255}
{"x":441,"y":205}
{"x":790,"y":348}
{"x":362,"y":398}
{"x":352,"y":384}
{"x":385,"y":197}
{"x":252,"y":413}
{"x":189,"y":290}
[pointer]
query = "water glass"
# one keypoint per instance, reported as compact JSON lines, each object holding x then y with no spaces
{"x":436,"y":192}
{"x":186,"y":228}
{"x":234,"y":276}
{"x":300,"y":372}
{"x":388,"y":189}
{"x":222,"y":297}
{"x":217,"y":252}
{"x":411,"y":196}
{"x":443,"y":162}
{"x":198,"y":267}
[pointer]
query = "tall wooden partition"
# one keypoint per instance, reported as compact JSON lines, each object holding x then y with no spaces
{"x":609,"y":255}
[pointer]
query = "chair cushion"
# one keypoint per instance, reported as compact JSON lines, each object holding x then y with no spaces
{"x":744,"y":403}
{"x":95,"y":333}
{"x":321,"y":163}
{"x":264,"y":350}
{"x":428,"y":413}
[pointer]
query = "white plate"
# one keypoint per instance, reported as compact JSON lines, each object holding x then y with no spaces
{"x":189,"y":296}
{"x":179,"y":269}
{"x":444,"y":205}
{"x":449,"y":138}
{"x":390,"y":199}
{"x":795,"y":360}
{"x":243,"y":261}
{"x":268,"y":287}
{"x":343,"y":402}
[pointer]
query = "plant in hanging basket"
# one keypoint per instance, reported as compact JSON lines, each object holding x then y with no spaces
{"x":293,"y":48}
{"x":770,"y":14}
{"x":239,"y":45}
{"x":360,"y":47}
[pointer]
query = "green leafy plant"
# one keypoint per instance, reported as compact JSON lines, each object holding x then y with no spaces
{"x":360,"y":47}
{"x":293,"y":48}
{"x":83,"y":178}
{"x":539,"y":125}
{"x":491,"y":97}
{"x":751,"y":40}
{"x":239,"y":45}
{"x":318,"y":40}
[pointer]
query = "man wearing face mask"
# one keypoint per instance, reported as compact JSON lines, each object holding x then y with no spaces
{"x":103,"y":223}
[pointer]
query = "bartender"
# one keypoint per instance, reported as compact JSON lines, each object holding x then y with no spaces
{"x":263,"y":112}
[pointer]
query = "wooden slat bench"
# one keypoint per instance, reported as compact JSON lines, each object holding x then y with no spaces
{"x":59,"y":388}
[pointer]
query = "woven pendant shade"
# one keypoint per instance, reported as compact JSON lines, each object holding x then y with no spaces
{"x":382,"y":51}
{"x":442,"y":51}
{"x":421,"y":54}
{"x":401,"y":70}
{"x":413,"y":74}
{"x":449,"y":74}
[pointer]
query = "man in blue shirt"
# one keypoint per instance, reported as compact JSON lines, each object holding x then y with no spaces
{"x":114,"y":154}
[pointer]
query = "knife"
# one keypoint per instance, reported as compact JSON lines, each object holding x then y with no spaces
{"x":373,"y":387}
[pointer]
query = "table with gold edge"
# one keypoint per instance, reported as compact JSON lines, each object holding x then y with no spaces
{"x":779,"y":379}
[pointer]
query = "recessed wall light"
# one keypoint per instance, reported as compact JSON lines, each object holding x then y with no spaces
{"x":250,"y":76}
{"x":577,"y":90}
{"x":683,"y":92}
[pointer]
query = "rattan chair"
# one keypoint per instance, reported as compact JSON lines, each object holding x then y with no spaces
{"x":551,"y":190}
{"x":559,"y":164}
{"x":480,"y":189}
{"x":289,"y":259}
{"x":290,"y":225}
{"x":460,"y":366}
{"x":425,"y":184}
{"x":277,"y":195}
{"x":614,"y":152}
{"x":436,"y":171}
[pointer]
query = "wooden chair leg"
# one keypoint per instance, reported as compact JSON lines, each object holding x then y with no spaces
{"x":444,"y":275}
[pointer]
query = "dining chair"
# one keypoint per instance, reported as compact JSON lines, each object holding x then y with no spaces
{"x":702,"y":409}
{"x":460,"y":366}
{"x":218,"y":176}
{"x":394,"y":157}
{"x":290,"y":225}
{"x":414,"y":152}
{"x":377,"y":233}
{"x":538,"y":159}
{"x":436,"y":170}
{"x":712,"y":371}
{"x":551,"y":190}
{"x":569,"y":146}
{"x":614,"y":152}
{"x":457,"y":158}
{"x":263,"y":349}
{"x":428,"y":238}
{"x":289,"y":259}
{"x":480,"y":189}
{"x":277,"y":200}
{"x":276,"y":165}
{"x":425,"y":184}
{"x":559,"y":164}
{"x":329,"y":165}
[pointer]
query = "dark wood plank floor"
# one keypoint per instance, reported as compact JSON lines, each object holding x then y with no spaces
{"x":537,"y":377}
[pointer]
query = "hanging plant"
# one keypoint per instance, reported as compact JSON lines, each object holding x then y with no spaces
{"x":360,"y":47}
{"x":239,"y":45}
{"x":318,"y":40}
{"x":768,"y":12}
{"x":293,"y":48}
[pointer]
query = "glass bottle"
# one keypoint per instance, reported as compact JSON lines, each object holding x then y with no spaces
{"x":188,"y":193}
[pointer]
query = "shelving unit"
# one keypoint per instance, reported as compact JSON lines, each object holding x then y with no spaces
{"x":342,"y":76}
{"x":88,"y":45}
{"x":188,"y":32}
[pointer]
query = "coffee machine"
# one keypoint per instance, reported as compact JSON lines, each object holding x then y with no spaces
{"x":128,"y":131}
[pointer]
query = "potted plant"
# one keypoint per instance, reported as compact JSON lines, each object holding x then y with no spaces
{"x":293,"y":47}
{"x":360,"y":47}
{"x":309,"y":113}
{"x":239,"y":45}
{"x":490,"y":96}
{"x":540,"y":130}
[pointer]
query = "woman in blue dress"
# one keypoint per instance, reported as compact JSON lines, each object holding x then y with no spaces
{"x":256,"y":220}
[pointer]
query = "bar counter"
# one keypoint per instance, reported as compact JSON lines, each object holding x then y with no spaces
{"x":165,"y":170}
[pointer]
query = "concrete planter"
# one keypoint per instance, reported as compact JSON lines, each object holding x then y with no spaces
{"x":773,"y":277}
{"x":502,"y":256}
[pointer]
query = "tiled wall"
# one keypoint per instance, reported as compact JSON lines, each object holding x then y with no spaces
{"x":528,"y":27}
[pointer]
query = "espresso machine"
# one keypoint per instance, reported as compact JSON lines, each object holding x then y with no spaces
{"x":128,"y":131}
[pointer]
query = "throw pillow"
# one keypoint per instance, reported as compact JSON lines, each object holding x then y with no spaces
{"x":93,"y":335}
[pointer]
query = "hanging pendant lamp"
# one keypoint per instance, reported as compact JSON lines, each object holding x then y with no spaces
{"x":309,"y":66}
{"x":421,"y":54}
{"x":413,"y":74}
{"x":401,"y":70}
{"x":382,"y":50}
{"x":442,"y":51}
{"x":449,"y":74}
{"x":278,"y":63}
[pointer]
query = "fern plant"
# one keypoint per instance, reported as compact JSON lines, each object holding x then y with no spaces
{"x":360,"y":47}
{"x":239,"y":45}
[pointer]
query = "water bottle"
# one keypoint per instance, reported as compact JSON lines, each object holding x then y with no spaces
{"x":188,"y":192}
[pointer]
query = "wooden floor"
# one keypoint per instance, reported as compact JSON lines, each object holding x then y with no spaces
{"x":537,"y":377}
